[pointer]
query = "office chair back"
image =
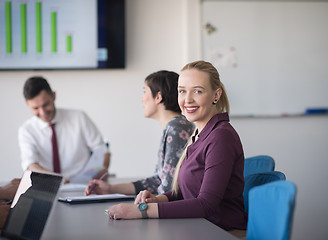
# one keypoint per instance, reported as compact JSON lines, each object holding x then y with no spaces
{"x":257,"y":164}
{"x":271,"y":210}
{"x":258,"y":179}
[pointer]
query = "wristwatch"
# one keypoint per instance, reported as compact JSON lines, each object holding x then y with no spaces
{"x":143,"y":209}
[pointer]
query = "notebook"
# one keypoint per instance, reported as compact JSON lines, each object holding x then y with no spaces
{"x":96,"y":198}
{"x":32,"y":205}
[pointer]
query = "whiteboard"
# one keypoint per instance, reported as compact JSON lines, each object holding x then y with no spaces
{"x":271,"y":55}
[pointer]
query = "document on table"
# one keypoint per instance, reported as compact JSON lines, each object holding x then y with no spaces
{"x":96,"y":198}
{"x":93,"y":166}
{"x":73,"y":187}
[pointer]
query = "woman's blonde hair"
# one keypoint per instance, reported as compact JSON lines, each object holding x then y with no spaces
{"x":222,"y":106}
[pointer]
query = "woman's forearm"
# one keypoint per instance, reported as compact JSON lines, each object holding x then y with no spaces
{"x":122,"y":188}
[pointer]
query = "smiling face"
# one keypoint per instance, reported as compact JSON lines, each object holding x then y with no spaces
{"x":196,"y":97}
{"x":43,"y":106}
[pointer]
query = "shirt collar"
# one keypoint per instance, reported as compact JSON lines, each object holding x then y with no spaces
{"x":42,"y":124}
{"x":57,"y":116}
{"x":217,"y":118}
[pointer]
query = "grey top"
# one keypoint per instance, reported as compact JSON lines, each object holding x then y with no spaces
{"x":174,"y":139}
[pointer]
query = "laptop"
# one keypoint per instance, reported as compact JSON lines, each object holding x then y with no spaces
{"x":32,"y":205}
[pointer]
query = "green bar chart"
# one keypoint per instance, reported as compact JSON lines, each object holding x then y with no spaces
{"x":48,"y":33}
{"x":38,"y":29}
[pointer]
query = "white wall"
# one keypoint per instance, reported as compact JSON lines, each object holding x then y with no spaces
{"x":298,"y":145}
{"x":155,"y":40}
{"x":165,"y":35}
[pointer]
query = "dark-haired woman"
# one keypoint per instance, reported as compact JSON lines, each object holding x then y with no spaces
{"x":160,"y":102}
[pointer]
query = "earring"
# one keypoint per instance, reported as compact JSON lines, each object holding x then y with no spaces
{"x":215,"y":101}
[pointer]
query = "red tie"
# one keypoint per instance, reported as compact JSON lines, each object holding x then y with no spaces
{"x":55,"y":155}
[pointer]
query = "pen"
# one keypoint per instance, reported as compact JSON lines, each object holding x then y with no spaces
{"x":101,"y":178}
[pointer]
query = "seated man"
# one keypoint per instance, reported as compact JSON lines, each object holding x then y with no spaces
{"x":55,"y":140}
{"x":7,"y":192}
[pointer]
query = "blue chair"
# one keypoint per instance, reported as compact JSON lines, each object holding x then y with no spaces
{"x":271,"y":211}
{"x":258,"y":179}
{"x":257,"y":164}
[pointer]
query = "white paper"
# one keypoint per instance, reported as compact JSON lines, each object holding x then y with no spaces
{"x":93,"y":166}
{"x":69,"y":187}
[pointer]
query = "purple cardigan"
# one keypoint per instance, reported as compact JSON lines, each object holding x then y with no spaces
{"x":211,"y":180}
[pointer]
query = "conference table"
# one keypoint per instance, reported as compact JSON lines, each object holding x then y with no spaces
{"x":89,"y":221}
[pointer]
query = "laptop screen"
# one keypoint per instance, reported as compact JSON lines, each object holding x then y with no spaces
{"x":31,"y":206}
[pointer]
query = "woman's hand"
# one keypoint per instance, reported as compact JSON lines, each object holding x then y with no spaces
{"x":101,"y":187}
{"x":65,"y":181}
{"x":145,"y":197}
{"x":124,"y":211}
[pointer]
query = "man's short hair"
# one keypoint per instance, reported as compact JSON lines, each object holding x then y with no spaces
{"x":34,"y":85}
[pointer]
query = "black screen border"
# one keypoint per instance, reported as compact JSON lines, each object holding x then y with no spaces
{"x":111,"y":35}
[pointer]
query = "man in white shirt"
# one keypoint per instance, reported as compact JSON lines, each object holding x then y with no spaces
{"x":76,"y":135}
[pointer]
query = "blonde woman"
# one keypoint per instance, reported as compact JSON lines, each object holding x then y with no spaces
{"x":209,"y":180}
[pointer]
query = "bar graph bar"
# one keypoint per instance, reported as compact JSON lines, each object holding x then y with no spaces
{"x":23,"y":28}
{"x":69,"y":43}
{"x":54,"y":32}
{"x":8,"y":28}
{"x":38,"y":8}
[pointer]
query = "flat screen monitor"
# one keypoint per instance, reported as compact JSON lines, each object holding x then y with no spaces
{"x":62,"y":34}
